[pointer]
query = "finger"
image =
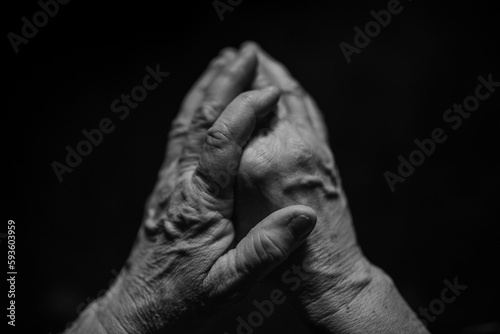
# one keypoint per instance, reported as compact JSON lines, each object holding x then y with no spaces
{"x":292,"y":92}
{"x":199,"y":89}
{"x":277,"y":73}
{"x":261,"y":81}
{"x":266,"y":246}
{"x":226,"y":85}
{"x":282,"y":78}
{"x":224,"y":141}
{"x":180,"y":125}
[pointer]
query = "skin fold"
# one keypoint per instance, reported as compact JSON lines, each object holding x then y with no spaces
{"x":248,"y":186}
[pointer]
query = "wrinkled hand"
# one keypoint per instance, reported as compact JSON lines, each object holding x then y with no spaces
{"x":289,"y":162}
{"x":183,"y":262}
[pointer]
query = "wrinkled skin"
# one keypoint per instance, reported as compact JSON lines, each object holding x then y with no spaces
{"x":186,"y":261}
{"x":289,"y":162}
{"x":246,"y":176}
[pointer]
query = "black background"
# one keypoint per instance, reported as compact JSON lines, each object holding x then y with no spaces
{"x":439,"y":224}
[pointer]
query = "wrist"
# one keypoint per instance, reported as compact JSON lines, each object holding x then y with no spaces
{"x":116,"y":312}
{"x":326,"y":290}
{"x":340,"y":290}
{"x":376,"y":308}
{"x":96,"y":319}
{"x":130,"y":307}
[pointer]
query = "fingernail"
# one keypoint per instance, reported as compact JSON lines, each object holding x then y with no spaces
{"x":300,"y":226}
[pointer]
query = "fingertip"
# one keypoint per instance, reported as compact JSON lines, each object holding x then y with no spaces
{"x":228,"y":49}
{"x":269,"y":99}
{"x":228,"y":53}
{"x":253,"y":47}
{"x":224,"y":57}
{"x":245,"y":60}
{"x":250,"y":44}
{"x":250,"y":56}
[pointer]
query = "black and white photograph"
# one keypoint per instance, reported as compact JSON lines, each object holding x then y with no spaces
{"x":251,"y":167}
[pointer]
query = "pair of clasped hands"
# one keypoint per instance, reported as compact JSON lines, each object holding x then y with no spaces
{"x":248,"y":182}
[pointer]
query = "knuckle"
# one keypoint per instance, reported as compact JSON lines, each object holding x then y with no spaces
{"x":292,"y":87}
{"x":219,"y":136}
{"x":184,"y":210}
{"x":299,"y":154}
{"x":262,"y":159}
{"x":217,"y":62}
{"x":206,"y":114}
{"x":270,"y":251}
{"x":255,"y":166}
{"x":228,"y":52}
{"x":247,"y":99}
{"x":205,"y":183}
{"x":151,"y":224}
{"x":231,"y":72}
{"x":179,"y":128}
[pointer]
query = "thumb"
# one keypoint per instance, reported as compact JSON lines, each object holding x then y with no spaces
{"x":266,"y":246}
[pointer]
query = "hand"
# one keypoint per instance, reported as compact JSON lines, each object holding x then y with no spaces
{"x":183,"y":263}
{"x":289,"y":162}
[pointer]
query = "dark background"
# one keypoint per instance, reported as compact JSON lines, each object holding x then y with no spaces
{"x":439,"y":224}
